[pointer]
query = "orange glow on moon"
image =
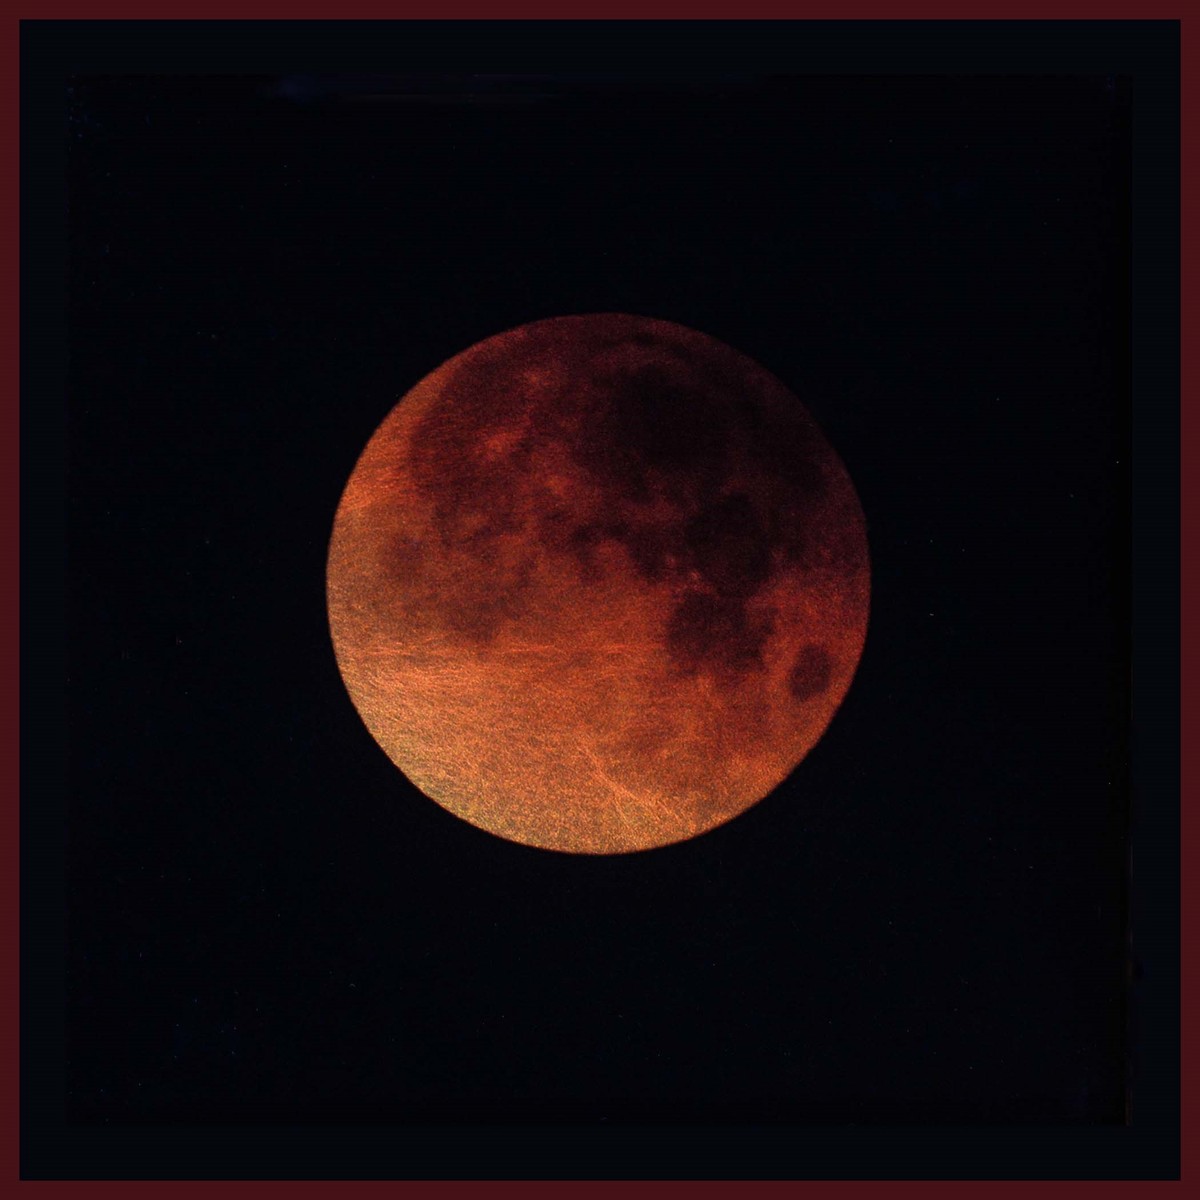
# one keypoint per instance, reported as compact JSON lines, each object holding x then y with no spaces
{"x":598,"y":584}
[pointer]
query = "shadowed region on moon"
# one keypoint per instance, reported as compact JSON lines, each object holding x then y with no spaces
{"x":598,"y":583}
{"x":811,"y":673}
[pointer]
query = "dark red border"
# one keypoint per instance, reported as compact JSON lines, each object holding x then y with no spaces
{"x":674,"y":9}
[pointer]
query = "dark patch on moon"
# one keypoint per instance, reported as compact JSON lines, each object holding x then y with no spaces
{"x":650,"y":419}
{"x":728,"y":545}
{"x":484,"y":602}
{"x":811,"y":673}
{"x":651,"y":550}
{"x":670,"y":423}
{"x":707,"y":630}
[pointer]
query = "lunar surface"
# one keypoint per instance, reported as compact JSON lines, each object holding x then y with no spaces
{"x":598,"y":584}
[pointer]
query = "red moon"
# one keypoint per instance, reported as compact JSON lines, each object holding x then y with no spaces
{"x":598,"y":584}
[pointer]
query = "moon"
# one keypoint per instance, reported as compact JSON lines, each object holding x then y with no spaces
{"x":598,"y":584}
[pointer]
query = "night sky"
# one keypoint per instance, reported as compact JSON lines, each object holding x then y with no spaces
{"x":925,"y":923}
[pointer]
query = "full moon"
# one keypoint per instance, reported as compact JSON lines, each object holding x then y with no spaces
{"x":598,"y":584}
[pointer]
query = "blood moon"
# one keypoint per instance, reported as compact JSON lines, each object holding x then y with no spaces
{"x":598,"y":584}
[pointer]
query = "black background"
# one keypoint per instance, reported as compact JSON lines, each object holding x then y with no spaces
{"x":925,"y":924}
